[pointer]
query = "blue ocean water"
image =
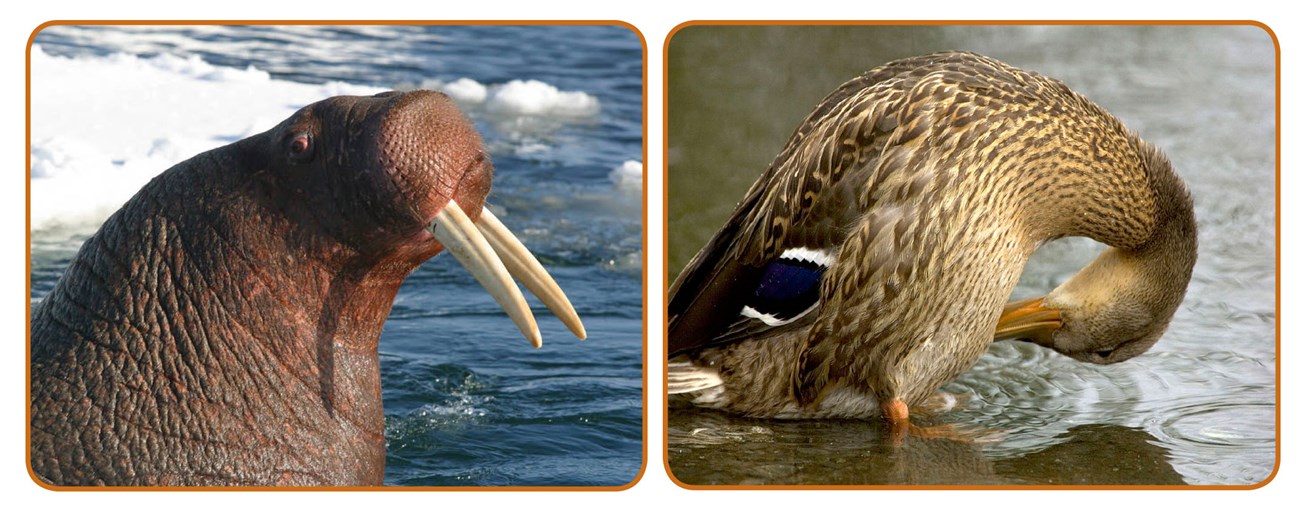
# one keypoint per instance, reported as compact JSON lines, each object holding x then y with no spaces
{"x":467,"y":401}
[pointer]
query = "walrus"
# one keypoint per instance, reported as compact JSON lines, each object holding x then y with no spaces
{"x":222,"y":327}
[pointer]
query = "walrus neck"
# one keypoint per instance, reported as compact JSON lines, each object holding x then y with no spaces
{"x":248,"y":331}
{"x":329,"y":304}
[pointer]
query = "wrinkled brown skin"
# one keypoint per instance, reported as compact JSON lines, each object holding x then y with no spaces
{"x":222,"y":327}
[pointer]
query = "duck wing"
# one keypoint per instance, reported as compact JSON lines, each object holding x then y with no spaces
{"x":762,"y":271}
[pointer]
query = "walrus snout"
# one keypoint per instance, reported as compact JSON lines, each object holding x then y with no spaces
{"x":431,"y":151}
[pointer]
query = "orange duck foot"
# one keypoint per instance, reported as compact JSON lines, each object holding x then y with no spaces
{"x":896,"y":415}
{"x":895,"y":411}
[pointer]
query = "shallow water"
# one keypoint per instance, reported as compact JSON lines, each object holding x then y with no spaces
{"x":467,"y":401}
{"x":1199,"y":408}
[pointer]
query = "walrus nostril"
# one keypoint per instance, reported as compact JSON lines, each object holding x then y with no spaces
{"x":478,"y":161}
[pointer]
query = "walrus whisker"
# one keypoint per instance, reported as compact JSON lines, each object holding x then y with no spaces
{"x":459,"y":235}
{"x":524,"y":266}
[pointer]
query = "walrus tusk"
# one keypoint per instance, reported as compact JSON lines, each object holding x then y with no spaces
{"x":524,"y":266}
{"x":462,"y":238}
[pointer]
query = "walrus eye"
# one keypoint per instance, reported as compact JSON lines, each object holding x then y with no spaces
{"x":300,"y":148}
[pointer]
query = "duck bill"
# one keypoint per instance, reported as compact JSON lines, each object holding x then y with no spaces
{"x":1028,"y":320}
{"x":524,"y":266}
{"x":492,"y":254}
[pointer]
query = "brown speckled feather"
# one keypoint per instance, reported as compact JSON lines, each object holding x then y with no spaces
{"x":932,"y":179}
{"x":769,"y":219}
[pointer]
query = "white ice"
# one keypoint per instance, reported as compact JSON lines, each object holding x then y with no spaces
{"x":102,"y":127}
{"x":627,"y":176}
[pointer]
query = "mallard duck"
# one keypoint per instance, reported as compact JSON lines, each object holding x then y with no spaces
{"x":872,"y":262}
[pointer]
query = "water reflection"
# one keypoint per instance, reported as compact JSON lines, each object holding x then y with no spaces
{"x":710,"y":449}
{"x":1200,"y":407}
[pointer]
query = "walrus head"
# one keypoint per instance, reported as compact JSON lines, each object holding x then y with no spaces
{"x":389,"y":162}
{"x":402,"y":166}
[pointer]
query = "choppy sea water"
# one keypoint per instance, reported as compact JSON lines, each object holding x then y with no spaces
{"x":1199,"y":408}
{"x":467,"y":401}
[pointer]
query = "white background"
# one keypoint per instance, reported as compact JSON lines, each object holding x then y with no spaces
{"x":655,"y":493}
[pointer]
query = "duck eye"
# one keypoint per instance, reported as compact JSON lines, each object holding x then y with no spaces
{"x":300,"y":147}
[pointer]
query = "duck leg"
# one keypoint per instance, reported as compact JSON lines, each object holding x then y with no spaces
{"x":896,"y":420}
{"x":895,"y":412}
